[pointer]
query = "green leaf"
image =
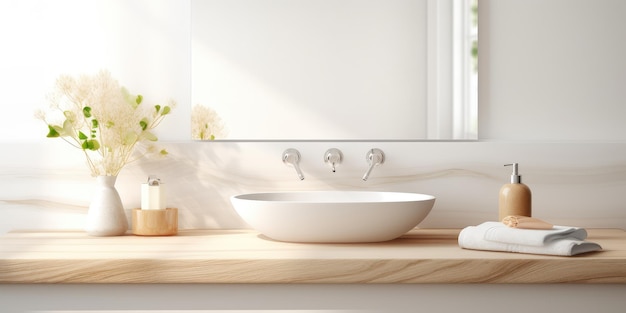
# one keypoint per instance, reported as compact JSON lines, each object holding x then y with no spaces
{"x":94,"y":123}
{"x":82,"y":136}
{"x":132,"y":100}
{"x":52,"y":132}
{"x":139,"y":99}
{"x":70,"y":116}
{"x":163,"y":152}
{"x":166,"y":110}
{"x":92,"y":145}
{"x":212,"y":137}
{"x":87,"y":112}
{"x":143,"y":123}
{"x":130,"y":138}
{"x":158,"y":108}
{"x":67,"y":128}
{"x":149,"y":136}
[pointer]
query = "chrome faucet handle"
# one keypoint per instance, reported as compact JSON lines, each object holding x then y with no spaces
{"x":374,"y":158}
{"x":292,"y":157}
{"x":333,"y":157}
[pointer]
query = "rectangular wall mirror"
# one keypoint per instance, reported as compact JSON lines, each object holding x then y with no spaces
{"x":334,"y":69}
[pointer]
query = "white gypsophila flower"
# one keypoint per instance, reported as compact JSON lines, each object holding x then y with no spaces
{"x":206,"y":124}
{"x":98,"y":116}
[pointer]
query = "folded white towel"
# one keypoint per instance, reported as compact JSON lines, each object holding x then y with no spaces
{"x":475,"y":237}
{"x":496,"y":231}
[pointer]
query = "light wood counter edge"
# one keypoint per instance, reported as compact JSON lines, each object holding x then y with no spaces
{"x":468,"y":267}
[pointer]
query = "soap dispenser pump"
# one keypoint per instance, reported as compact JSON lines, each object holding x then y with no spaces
{"x":515,"y":197}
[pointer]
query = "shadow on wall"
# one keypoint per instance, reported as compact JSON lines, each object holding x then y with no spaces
{"x":198,"y":185}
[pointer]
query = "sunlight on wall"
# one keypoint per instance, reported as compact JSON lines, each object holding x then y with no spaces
{"x":139,"y":41}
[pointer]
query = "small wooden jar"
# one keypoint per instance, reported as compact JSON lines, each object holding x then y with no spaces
{"x":155,"y":222}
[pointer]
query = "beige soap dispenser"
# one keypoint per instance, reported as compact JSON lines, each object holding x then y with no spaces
{"x":515,"y":198}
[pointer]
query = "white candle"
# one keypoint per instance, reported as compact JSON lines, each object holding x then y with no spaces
{"x":152,"y":197}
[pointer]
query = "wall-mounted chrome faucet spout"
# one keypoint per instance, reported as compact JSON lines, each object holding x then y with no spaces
{"x":374,"y":158}
{"x":333,"y":157}
{"x":292,"y":157}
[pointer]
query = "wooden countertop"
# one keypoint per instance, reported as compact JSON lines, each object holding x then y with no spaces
{"x":244,"y":256}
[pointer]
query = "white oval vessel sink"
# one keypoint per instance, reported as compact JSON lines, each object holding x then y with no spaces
{"x":333,"y":216}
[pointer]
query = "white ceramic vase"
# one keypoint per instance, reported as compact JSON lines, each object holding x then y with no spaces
{"x":106,"y":216}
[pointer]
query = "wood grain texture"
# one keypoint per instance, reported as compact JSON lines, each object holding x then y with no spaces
{"x":244,"y":256}
{"x":155,"y":222}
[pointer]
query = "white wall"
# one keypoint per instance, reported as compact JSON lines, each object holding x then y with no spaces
{"x":144,"y":43}
{"x":552,"y":70}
